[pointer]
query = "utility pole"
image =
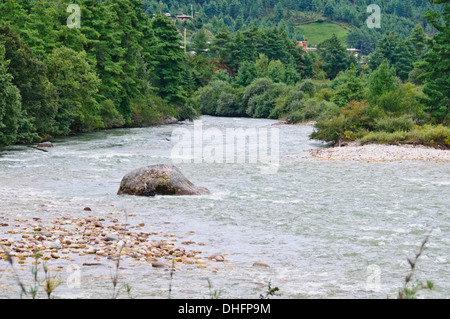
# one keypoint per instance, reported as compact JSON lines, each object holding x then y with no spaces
{"x":185,"y":41}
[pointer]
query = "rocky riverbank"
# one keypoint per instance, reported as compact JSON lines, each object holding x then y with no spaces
{"x":380,"y":153}
{"x":91,"y":240}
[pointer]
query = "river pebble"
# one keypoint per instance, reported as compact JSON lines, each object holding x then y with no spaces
{"x":380,"y":153}
{"x":65,"y":237}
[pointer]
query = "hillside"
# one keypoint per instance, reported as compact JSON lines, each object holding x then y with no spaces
{"x":303,"y":19}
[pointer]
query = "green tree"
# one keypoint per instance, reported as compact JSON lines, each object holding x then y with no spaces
{"x":77,"y":85}
{"x":335,"y":56}
{"x":200,"y":40}
{"x":10,"y":104}
{"x":276,"y":71}
{"x":246,"y":74}
{"x":208,"y":96}
{"x":169,"y":60}
{"x":398,"y":52}
{"x":39,"y":96}
{"x":104,"y":50}
{"x":349,"y":87}
{"x":418,"y":39}
{"x":278,"y":12}
{"x":221,"y":44}
{"x":381,"y":81}
{"x":437,"y":65}
{"x":262,"y":65}
{"x":253,"y":92}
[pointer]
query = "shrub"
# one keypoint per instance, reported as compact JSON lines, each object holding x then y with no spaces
{"x":357,"y":115}
{"x":146,"y":111}
{"x":431,"y":135}
{"x":143,"y":114}
{"x":384,"y":137}
{"x":314,"y":110}
{"x":393,"y":102}
{"x":188,"y":111}
{"x":295,"y":117}
{"x":258,"y":87}
{"x":110,"y":115}
{"x":308,"y":87}
{"x":288,"y":102}
{"x":227,"y":104}
{"x":221,"y":75}
{"x":262,"y":105}
{"x":425,"y":135}
{"x":325,"y":94}
{"x":207,"y":96}
{"x":392,"y":124}
{"x":353,"y":118}
{"x":330,"y":130}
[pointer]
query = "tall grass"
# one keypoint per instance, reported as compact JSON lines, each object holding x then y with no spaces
{"x":435,"y":136}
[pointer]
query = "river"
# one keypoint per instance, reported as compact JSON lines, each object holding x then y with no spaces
{"x":326,"y":229}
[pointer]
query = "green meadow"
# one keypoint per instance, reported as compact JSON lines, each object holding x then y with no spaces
{"x":317,"y":32}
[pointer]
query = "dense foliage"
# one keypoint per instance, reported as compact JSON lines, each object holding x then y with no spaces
{"x":118,"y":68}
{"x":126,"y":66}
{"x":400,"y":16}
{"x":395,"y":96}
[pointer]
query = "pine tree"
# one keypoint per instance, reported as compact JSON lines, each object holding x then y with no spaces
{"x":104,"y":49}
{"x":246,"y":74}
{"x":278,"y":12}
{"x":200,"y":40}
{"x":169,"y":60}
{"x":437,"y":65}
{"x":335,"y":56}
{"x":381,"y":81}
{"x":418,"y":39}
{"x":221,"y":43}
{"x":399,"y":53}
{"x":262,"y":65}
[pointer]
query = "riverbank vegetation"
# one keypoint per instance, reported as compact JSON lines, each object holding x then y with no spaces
{"x":125,"y":66}
{"x":119,"y":68}
{"x":399,"y":94}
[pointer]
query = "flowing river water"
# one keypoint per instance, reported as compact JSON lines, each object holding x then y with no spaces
{"x":326,"y":229}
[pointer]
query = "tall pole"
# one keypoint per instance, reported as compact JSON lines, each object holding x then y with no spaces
{"x":185,"y":41}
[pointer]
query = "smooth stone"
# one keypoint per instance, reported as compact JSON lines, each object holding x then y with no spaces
{"x":160,"y":179}
{"x":157,"y":264}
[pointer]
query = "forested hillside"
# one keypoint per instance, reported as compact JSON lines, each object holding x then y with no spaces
{"x":400,"y":16}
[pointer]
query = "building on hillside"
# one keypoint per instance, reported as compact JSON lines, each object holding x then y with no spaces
{"x":304,"y":46}
{"x":355,"y":52}
{"x":183,"y":17}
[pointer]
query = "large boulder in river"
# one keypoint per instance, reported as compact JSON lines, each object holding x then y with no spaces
{"x":161,"y":179}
